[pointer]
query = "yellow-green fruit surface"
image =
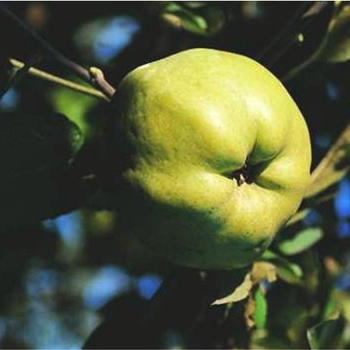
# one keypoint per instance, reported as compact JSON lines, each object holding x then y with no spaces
{"x":214,"y":157}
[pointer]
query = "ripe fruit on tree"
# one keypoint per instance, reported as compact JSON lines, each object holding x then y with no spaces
{"x":214,"y":157}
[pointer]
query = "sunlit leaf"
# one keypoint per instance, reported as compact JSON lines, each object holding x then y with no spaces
{"x":286,"y":270}
{"x":180,"y":17}
{"x":327,"y":334}
{"x":333,"y":166}
{"x":194,"y":4}
{"x":249,"y":312}
{"x":263,"y":271}
{"x":75,"y":106}
{"x":301,"y":241}
{"x":315,"y":9}
{"x":240,"y":293}
{"x":336,"y":46}
{"x":260,"y":311}
{"x":201,"y":18}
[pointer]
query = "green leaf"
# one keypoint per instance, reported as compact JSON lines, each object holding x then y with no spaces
{"x":74,"y":105}
{"x":333,"y":166}
{"x":202,"y":18}
{"x":36,"y":152}
{"x":29,"y":142}
{"x":298,"y":216}
{"x":260,"y":311}
{"x":327,"y":334}
{"x":240,"y":293}
{"x":303,"y":240}
{"x":336,"y":46}
{"x":286,"y":270}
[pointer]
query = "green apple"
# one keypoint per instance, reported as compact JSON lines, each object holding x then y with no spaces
{"x":214,"y":157}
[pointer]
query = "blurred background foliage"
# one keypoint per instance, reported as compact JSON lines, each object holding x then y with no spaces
{"x":64,"y":277}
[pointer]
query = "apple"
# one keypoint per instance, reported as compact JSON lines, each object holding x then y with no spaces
{"x":213,"y":157}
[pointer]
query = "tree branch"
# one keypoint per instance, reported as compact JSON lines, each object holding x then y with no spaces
{"x":60,"y":81}
{"x":80,"y":71}
{"x":19,"y":74}
{"x":282,"y":35}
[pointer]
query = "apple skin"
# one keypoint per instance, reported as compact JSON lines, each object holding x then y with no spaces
{"x":186,"y":126}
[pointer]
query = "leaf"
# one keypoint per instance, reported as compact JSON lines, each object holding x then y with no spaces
{"x":183,"y":18}
{"x":298,"y":216}
{"x":315,"y":9}
{"x":327,"y":334}
{"x":65,"y":101}
{"x":301,"y":241}
{"x":29,"y":142}
{"x":333,"y":166}
{"x":286,"y":270}
{"x":263,"y":271}
{"x":240,"y":293}
{"x":255,"y":313}
{"x":336,"y":46}
{"x":249,"y":312}
{"x":260,"y":310}
{"x":36,"y":152}
{"x":202,"y":19}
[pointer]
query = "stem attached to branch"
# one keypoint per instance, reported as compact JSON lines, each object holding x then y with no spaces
{"x":57,"y":80}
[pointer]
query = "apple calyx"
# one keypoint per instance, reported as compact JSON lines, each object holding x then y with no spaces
{"x":243,"y":175}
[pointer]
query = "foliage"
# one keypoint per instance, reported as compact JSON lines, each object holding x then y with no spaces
{"x":67,"y":275}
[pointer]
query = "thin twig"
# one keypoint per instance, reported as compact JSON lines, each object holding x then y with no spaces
{"x":57,"y":80}
{"x":296,"y":70}
{"x":19,"y":74}
{"x":287,"y":38}
{"x":82,"y":72}
{"x":282,"y":33}
{"x":304,"y":64}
